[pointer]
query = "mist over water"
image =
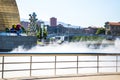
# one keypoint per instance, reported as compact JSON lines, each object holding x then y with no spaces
{"x":104,"y":46}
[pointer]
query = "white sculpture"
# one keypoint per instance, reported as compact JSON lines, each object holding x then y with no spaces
{"x":32,"y":29}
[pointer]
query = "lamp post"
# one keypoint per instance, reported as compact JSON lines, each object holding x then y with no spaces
{"x":68,"y":32}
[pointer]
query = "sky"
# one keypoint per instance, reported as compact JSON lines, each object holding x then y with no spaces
{"x":75,"y":12}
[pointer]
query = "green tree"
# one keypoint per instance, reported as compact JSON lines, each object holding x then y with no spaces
{"x":100,"y":31}
{"x":45,"y":33}
{"x":39,"y":33}
{"x":109,"y":33}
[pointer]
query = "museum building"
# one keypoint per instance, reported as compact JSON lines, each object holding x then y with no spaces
{"x":9,"y":14}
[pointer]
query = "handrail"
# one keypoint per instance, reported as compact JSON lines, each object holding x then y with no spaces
{"x":97,"y":61}
{"x":58,"y":54}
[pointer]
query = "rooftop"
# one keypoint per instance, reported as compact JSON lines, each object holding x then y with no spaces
{"x":113,"y":23}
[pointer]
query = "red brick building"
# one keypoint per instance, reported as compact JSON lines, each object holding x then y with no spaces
{"x":53,"y":21}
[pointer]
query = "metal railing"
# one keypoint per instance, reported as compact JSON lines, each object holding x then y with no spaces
{"x":72,"y":63}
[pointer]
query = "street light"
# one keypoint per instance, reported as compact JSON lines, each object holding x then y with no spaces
{"x":69,"y":32}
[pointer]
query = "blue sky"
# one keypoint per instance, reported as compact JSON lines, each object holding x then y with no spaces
{"x":76,"y":12}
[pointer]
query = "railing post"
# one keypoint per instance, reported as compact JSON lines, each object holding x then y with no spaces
{"x":55,"y":65}
{"x":77,"y":64}
{"x":30,"y":66}
{"x":97,"y":63}
{"x":2,"y":67}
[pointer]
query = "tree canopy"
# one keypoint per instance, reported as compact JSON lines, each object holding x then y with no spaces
{"x":100,"y":31}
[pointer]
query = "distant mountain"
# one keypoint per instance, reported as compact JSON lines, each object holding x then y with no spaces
{"x":68,"y":25}
{"x":48,"y":23}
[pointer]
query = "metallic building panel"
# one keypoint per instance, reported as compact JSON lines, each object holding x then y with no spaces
{"x":9,"y":14}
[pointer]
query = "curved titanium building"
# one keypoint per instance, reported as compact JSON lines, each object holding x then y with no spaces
{"x":9,"y":14}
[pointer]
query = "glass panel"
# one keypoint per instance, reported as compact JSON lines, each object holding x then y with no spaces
{"x":107,"y":58}
{"x":63,"y":65}
{"x":119,"y":63}
{"x":16,"y":74}
{"x":0,"y":59}
{"x":0,"y":67}
{"x":0,"y":63}
{"x":17,"y":59}
{"x":87,"y":58}
{"x":87,"y":70}
{"x":66,"y":71}
{"x":107,"y":70}
{"x":119,"y":58}
{"x":16,"y":66}
{"x":87,"y":64}
{"x":118,"y":69}
{"x":42,"y":72}
{"x":42,"y":65}
{"x":66,"y":58}
{"x":0,"y":75}
{"x":43,"y":58}
{"x":107,"y":64}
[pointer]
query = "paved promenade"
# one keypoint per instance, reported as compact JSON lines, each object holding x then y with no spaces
{"x":114,"y":76}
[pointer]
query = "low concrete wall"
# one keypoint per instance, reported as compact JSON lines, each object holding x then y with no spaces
{"x":11,"y":42}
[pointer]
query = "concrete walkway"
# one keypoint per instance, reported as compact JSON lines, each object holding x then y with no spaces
{"x":115,"y":76}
